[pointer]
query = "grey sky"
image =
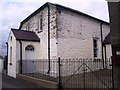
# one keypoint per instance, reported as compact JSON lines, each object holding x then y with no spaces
{"x":12,"y":12}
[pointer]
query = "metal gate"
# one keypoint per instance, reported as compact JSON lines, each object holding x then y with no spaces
{"x":85,"y":74}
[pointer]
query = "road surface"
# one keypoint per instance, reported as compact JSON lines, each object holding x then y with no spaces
{"x":9,"y":82}
{"x":0,"y":81}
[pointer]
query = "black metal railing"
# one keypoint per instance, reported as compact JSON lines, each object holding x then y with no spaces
{"x":86,"y":73}
{"x":38,"y":68}
{"x":71,"y":73}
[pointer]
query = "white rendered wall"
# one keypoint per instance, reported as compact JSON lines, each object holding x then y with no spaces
{"x":12,"y":68}
{"x":76,"y":33}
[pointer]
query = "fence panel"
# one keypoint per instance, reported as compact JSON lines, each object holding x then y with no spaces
{"x":85,"y":73}
{"x":71,"y":73}
{"x":38,"y":68}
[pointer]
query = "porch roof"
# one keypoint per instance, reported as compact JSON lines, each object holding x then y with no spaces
{"x":25,"y":35}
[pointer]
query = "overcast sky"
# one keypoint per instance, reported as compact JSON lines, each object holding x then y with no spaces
{"x":12,"y":12}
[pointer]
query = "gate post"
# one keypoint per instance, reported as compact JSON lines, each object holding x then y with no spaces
{"x":59,"y":75}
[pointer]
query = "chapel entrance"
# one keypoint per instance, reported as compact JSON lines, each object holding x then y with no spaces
{"x":28,"y":65}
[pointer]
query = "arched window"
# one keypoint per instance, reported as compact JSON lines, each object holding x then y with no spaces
{"x":29,"y":48}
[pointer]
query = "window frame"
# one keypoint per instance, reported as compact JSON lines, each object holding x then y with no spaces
{"x":40,"y":24}
{"x":29,"y":48}
{"x":28,"y":26}
{"x":10,"y":55}
{"x":95,"y":47}
{"x":11,"y":38}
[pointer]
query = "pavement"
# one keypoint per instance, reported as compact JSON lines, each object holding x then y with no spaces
{"x":10,"y":82}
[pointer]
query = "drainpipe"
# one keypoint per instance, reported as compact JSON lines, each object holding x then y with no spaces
{"x":7,"y":58}
{"x":20,"y":56}
{"x":48,"y":38}
{"x":101,"y":31}
{"x":105,"y":57}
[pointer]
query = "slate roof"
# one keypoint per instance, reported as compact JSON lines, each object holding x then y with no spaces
{"x":107,"y":39}
{"x":58,"y":7}
{"x":25,"y":35}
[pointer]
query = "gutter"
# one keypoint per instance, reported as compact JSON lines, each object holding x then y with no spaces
{"x":101,"y":31}
{"x":48,"y":38}
{"x":20,"y":56}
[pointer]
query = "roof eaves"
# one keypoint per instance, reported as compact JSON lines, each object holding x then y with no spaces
{"x":58,"y":6}
{"x":29,"y":40}
{"x":13,"y":31}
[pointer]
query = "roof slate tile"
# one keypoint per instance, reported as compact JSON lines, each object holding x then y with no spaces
{"x":25,"y":35}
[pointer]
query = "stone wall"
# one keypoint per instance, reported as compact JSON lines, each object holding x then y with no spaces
{"x":34,"y":26}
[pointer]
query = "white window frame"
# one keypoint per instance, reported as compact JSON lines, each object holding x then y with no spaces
{"x":29,"y":48}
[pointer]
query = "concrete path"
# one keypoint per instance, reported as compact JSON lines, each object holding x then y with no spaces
{"x":9,"y":82}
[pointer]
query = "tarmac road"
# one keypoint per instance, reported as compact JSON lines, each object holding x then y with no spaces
{"x":9,"y":82}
